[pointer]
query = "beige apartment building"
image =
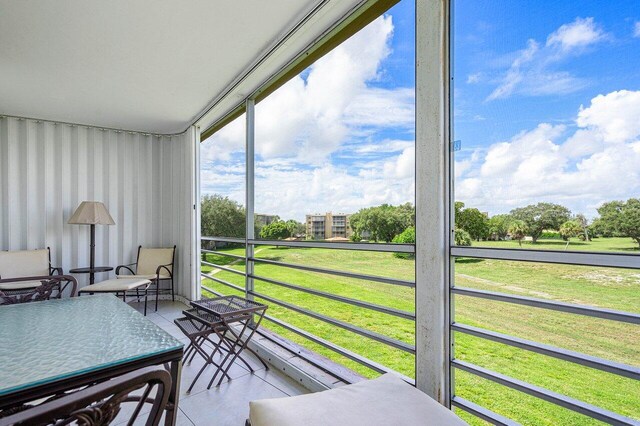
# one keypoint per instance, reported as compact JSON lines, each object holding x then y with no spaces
{"x":325,"y":226}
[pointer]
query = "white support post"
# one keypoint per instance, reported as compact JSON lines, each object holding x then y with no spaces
{"x":250,"y":195}
{"x":196,"y":289}
{"x":432,"y":199}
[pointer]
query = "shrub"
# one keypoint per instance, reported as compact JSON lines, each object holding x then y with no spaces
{"x":408,"y":236}
{"x":462,"y":237}
{"x":551,"y":235}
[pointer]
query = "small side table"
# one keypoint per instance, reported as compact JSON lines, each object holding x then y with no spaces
{"x":91,"y":271}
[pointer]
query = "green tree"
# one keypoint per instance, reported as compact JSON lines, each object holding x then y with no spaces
{"x":457,"y":207}
{"x":518,"y":230}
{"x":222,"y":217}
{"x":295,"y":227}
{"x":408,"y":236}
{"x":607,"y":224}
{"x":277,"y":230}
{"x":584,"y":222}
{"x":382,"y":223}
{"x":259,"y":222}
{"x":622,"y":218}
{"x":462,"y":237}
{"x":474,"y":222}
{"x":407,"y":212}
{"x":541,"y":216}
{"x":571,"y":228}
{"x":499,"y":225}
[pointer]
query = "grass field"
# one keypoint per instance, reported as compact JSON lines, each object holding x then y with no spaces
{"x":601,"y":287}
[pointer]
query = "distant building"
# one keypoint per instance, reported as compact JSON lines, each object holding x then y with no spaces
{"x":328,"y":225}
{"x":265,"y":219}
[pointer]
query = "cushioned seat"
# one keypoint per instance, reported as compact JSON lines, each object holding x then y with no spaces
{"x":121,"y":286}
{"x":154,"y":264}
{"x":115,"y":286}
{"x":19,"y":285}
{"x":143,"y":277}
{"x":23,"y":263}
{"x":387,"y":400}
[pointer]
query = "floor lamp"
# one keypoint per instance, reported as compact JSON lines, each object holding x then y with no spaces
{"x":91,"y":213}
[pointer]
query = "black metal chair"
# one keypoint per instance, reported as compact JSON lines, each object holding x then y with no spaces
{"x":50,"y":287}
{"x":100,"y":404}
{"x":153,"y":264}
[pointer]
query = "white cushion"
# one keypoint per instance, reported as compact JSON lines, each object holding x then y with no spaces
{"x":387,"y":400}
{"x":20,"y":285}
{"x":143,"y":277}
{"x":151,"y":258}
{"x":111,"y":286}
{"x":24,"y":263}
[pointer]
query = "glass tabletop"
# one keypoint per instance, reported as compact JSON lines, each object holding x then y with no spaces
{"x":42,"y":342}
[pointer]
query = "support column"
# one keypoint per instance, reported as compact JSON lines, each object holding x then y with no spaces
{"x":196,"y":244}
{"x":250,"y":195}
{"x":432,"y":198}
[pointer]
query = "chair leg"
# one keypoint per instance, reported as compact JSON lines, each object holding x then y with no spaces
{"x":157,"y":293}
{"x":146,"y":290}
{"x":173,"y":294}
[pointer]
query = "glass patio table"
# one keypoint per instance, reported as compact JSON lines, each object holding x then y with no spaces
{"x":56,"y":345}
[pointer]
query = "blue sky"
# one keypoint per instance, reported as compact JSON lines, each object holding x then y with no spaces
{"x":487,"y":34}
{"x":546,"y":103}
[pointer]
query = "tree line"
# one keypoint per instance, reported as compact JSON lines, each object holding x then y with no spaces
{"x":616,"y":219}
{"x":222,"y":216}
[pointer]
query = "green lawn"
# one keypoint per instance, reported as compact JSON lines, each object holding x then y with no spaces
{"x":602,"y":287}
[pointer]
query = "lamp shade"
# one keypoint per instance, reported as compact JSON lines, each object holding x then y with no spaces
{"x":91,"y":213}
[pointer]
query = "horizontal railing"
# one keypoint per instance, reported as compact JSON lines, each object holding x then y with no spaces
{"x":373,"y":278}
{"x":376,"y":247}
{"x":547,"y":256}
{"x":613,"y":260}
{"x":381,"y":247}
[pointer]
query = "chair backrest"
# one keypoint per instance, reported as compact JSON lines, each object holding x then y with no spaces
{"x":150,"y":258}
{"x":100,"y":404}
{"x":43,"y":288}
{"x":24,"y":263}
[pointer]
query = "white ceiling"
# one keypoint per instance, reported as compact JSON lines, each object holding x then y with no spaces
{"x":144,"y":65}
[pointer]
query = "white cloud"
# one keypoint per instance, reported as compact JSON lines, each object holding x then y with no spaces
{"x":578,"y":34}
{"x":294,"y":193}
{"x":615,"y":116}
{"x":310,"y":118}
{"x":384,"y":146}
{"x":636,"y":29}
{"x":473,"y":78}
{"x":318,"y":137}
{"x":381,"y":108}
{"x":595,"y":162}
{"x":532,"y":72}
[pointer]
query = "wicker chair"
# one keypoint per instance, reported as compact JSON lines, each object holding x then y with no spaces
{"x":153,"y":264}
{"x":100,"y":404}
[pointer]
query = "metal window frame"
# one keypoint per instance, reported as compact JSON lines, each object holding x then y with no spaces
{"x":597,"y":259}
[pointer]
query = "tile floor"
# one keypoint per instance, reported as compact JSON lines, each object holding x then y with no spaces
{"x":227,"y":405}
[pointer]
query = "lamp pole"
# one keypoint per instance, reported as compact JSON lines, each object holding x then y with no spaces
{"x":92,"y":259}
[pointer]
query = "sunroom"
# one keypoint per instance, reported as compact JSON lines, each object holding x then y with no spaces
{"x":408,"y":211}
